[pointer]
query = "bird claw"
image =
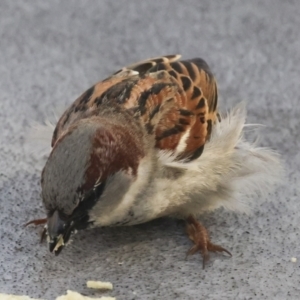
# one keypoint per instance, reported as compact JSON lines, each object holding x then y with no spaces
{"x":199,"y":235}
{"x":36,"y":222}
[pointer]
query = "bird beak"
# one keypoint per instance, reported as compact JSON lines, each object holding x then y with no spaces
{"x":58,"y":232}
{"x":56,"y":244}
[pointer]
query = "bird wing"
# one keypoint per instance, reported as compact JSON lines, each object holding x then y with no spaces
{"x":176,"y":101}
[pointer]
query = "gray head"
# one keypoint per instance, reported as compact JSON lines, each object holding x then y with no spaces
{"x":76,"y":172}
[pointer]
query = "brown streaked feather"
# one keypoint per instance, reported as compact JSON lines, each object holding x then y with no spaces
{"x":176,"y":100}
{"x":143,"y":66}
{"x":200,"y":74}
{"x":200,"y":89}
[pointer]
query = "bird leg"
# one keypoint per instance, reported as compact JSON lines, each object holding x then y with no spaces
{"x":37,"y":222}
{"x":199,"y":235}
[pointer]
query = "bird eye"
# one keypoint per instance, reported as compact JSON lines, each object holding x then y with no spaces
{"x":75,"y":200}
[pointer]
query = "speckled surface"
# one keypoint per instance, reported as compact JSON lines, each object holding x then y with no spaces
{"x":51,"y":51}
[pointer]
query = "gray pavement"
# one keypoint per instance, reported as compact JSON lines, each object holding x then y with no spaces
{"x":51,"y":51}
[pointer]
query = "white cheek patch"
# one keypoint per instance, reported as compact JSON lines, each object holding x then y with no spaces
{"x":120,"y":211}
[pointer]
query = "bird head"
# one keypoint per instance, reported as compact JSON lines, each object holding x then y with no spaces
{"x":90,"y":156}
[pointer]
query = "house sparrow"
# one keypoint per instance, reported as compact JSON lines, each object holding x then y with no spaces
{"x":148,"y":142}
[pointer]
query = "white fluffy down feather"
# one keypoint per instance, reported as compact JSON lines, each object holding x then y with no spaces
{"x":38,"y":142}
{"x":228,"y":173}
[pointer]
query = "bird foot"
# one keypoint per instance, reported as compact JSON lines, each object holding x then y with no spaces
{"x":199,"y":235}
{"x":36,"y":222}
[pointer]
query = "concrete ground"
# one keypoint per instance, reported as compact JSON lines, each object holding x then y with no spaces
{"x":51,"y":51}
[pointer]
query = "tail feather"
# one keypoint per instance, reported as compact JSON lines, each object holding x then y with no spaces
{"x":229,"y":171}
{"x":38,"y":140}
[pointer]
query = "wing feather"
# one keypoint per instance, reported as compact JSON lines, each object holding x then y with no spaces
{"x":176,"y":100}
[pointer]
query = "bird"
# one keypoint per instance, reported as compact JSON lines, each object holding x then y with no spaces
{"x":149,"y":142}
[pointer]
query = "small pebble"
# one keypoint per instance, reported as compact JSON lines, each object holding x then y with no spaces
{"x":293,"y":259}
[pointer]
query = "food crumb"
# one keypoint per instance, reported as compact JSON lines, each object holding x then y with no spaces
{"x":293,"y":259}
{"x":99,"y":285}
{"x":76,"y":296}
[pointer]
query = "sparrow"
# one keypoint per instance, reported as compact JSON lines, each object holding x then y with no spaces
{"x":149,"y":142}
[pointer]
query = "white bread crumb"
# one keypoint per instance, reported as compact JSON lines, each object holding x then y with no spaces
{"x":99,"y":285}
{"x":76,"y":296}
{"x":293,"y":259}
